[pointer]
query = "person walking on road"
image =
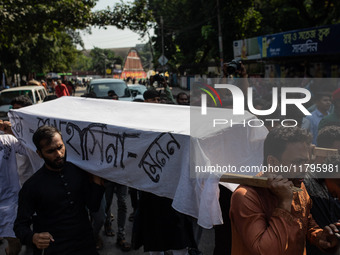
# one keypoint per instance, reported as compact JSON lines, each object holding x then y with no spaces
{"x":61,"y":89}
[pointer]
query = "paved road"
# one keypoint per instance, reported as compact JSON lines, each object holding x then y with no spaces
{"x":206,"y":244}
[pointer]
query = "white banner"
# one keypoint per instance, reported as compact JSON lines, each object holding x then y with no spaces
{"x":141,"y":145}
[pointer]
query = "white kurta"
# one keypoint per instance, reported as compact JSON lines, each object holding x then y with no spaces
{"x":25,"y":166}
{"x":9,"y":183}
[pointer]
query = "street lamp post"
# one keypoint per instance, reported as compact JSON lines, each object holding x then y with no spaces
{"x":220,"y":41}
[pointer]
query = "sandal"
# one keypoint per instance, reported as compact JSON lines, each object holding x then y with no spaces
{"x":108,"y":230}
{"x":123,"y":245}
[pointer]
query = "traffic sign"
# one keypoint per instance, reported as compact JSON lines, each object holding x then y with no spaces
{"x":162,"y":60}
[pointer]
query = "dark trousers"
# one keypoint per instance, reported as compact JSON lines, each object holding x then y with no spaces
{"x":223,"y":232}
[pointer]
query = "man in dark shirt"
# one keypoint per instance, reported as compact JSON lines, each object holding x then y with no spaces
{"x":54,"y":199}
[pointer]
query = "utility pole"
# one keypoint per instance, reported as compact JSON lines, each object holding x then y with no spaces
{"x":104,"y":57}
{"x":162,"y":40}
{"x":104,"y":67}
{"x":220,"y":41}
{"x":151,"y":49}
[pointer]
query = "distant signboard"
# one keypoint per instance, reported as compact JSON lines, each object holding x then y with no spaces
{"x":319,"y":40}
{"x":134,"y":74}
{"x":53,"y":76}
{"x":162,"y":60}
{"x":309,"y":41}
{"x":247,"y":48}
{"x":64,"y":73}
{"x":117,"y":70}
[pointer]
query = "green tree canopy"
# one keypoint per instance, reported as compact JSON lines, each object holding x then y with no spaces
{"x":190,"y":27}
{"x":40,"y":36}
{"x":103,"y":59}
{"x":37,"y":36}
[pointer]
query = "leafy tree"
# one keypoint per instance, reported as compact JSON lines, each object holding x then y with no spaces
{"x":146,"y":55}
{"x":82,"y":62}
{"x":36,"y":36}
{"x":102,"y":58}
{"x":191,"y":30}
{"x":283,"y":15}
{"x":31,"y":29}
{"x":137,"y":16}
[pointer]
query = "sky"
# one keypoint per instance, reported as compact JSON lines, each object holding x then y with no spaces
{"x":111,"y":37}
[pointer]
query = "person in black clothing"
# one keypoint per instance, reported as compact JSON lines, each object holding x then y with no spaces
{"x":158,"y":227}
{"x":55,"y":199}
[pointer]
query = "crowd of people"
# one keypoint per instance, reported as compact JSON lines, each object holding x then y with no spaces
{"x":51,"y":84}
{"x":61,"y":209}
{"x":41,"y":226}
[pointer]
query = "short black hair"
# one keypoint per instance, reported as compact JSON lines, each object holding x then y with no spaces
{"x":318,"y":96}
{"x":278,"y":138}
{"x":22,"y":100}
{"x":327,"y":136}
{"x":149,"y":94}
{"x":333,"y":160}
{"x":44,"y":133}
{"x":49,"y":98}
{"x":181,"y":94}
{"x":111,"y":93}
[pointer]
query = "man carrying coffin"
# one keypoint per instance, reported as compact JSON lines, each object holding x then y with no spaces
{"x":54,"y":199}
{"x":276,"y":220}
{"x":157,"y":226}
